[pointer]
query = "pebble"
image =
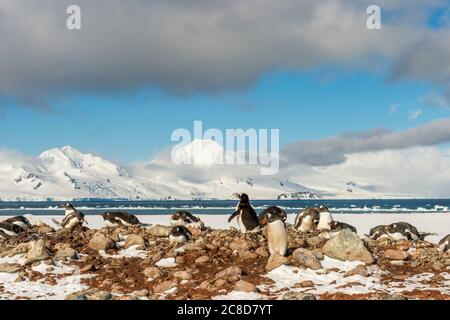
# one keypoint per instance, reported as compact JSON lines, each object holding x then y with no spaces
{"x":393,"y":254}
{"x":202,"y":259}
{"x":245,"y":286}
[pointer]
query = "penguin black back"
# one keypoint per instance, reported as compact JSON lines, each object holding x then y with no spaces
{"x":272,"y":210}
{"x":247,"y":217}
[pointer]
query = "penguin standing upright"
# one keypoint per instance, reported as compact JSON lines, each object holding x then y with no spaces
{"x":246,"y":215}
{"x":277,"y":236}
{"x":325,"y":218}
{"x":68,"y":208}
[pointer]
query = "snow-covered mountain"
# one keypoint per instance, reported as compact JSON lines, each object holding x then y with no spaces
{"x":66,"y":173}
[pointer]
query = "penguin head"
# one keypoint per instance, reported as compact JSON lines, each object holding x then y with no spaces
{"x":16,"y":229}
{"x":244,"y":198}
{"x":178,"y":230}
{"x":269,"y":218}
{"x":323,"y":208}
{"x":67,"y":206}
{"x":333,"y":224}
{"x":391,"y":228}
{"x":278,"y":211}
{"x":176,"y":216}
{"x":181,"y":230}
{"x":27,"y":222}
{"x":186,"y":216}
{"x":104,"y":215}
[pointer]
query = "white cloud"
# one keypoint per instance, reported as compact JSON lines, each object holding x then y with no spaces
{"x":393,"y":108}
{"x":416,"y":171}
{"x":335,"y":149}
{"x":435,"y":100}
{"x":191,"y":46}
{"x":415,"y":114}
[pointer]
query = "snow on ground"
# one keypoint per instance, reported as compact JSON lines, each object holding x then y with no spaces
{"x":166,"y":263}
{"x":131,"y":252}
{"x":68,"y":280}
{"x":330,"y":278}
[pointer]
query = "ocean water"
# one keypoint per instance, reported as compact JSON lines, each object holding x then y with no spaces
{"x":94,"y":207}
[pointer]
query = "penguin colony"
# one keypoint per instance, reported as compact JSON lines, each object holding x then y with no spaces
{"x":272,"y":220}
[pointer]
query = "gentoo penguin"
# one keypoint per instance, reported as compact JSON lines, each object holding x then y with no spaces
{"x":325,"y":218}
{"x":247,"y":218}
{"x":185,"y":218}
{"x":114,"y":219}
{"x":306,"y":220}
{"x":444,"y":244}
{"x":403,"y":231}
{"x":378,"y":232}
{"x":277,"y":236}
{"x":9,"y":230}
{"x":71,"y":220}
{"x":337,"y":227}
{"x":272,"y":210}
{"x":20,"y":221}
{"x":180,"y":234}
{"x":68,"y":208}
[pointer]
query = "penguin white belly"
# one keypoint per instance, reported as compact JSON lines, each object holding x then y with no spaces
{"x":9,"y":233}
{"x":176,"y":223}
{"x":125,"y":223}
{"x":307,"y":225}
{"x":110,"y":224}
{"x":397,"y":236}
{"x":68,"y":212}
{"x":412,"y":235}
{"x":334,"y":233}
{"x":241,"y":224}
{"x":72,"y":223}
{"x":277,"y":238}
{"x":177,"y":238}
{"x":324,"y":221}
{"x":21,"y":224}
{"x":196,"y":225}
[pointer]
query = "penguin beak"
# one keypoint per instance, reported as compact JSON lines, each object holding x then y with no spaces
{"x":264,"y":221}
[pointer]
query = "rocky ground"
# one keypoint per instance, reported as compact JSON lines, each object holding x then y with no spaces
{"x":141,"y":263}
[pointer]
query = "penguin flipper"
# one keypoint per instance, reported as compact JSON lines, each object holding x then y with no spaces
{"x":146,"y":225}
{"x":57,"y":222}
{"x":233,"y":216}
{"x":423,"y":235}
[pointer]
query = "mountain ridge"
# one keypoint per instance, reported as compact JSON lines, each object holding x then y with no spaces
{"x":66,"y":173}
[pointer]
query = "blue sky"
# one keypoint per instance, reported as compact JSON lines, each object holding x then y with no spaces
{"x":123,"y":83}
{"x":303,"y":105}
